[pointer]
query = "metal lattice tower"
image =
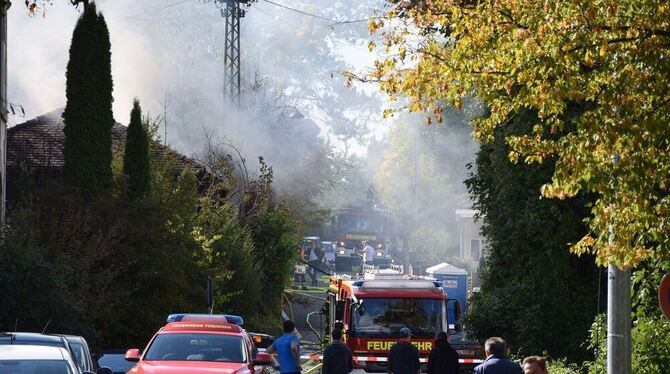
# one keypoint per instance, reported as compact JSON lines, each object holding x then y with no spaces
{"x":232,"y":12}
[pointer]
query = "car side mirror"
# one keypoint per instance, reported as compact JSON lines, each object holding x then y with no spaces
{"x":263,"y":359}
{"x":104,"y":370}
{"x":133,"y":355}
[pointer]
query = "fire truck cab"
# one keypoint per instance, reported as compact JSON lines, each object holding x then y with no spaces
{"x":371,"y":310}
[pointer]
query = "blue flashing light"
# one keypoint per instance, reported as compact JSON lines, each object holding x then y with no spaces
{"x":236,"y":320}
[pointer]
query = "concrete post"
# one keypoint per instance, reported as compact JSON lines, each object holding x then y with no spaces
{"x":618,"y":321}
{"x":618,"y":314}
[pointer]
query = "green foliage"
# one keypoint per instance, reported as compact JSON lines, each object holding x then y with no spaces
{"x":562,"y":367}
{"x":159,"y":259}
{"x":541,"y":55}
{"x":136,"y":162}
{"x":651,"y":345}
{"x":88,"y":113}
{"x":534,"y":293}
{"x":275,"y":235}
{"x":34,"y":291}
{"x":111,"y":269}
{"x":226,"y":254}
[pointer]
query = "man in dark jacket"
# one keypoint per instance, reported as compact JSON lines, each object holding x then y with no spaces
{"x":403,"y":356}
{"x":443,"y":359}
{"x":496,"y":361}
{"x":337,"y":356}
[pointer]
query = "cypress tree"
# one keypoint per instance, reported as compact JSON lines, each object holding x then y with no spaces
{"x":88,"y":114}
{"x":136,"y":165}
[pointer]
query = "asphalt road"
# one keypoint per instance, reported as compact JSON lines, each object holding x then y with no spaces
{"x":304,"y":303}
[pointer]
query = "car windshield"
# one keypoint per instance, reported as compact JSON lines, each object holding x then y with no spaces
{"x":380,"y":317}
{"x":196,"y":347}
{"x":115,"y":361}
{"x":34,"y":367}
{"x":361,"y":223}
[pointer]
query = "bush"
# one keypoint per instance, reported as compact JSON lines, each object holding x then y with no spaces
{"x":651,"y":345}
{"x":562,"y":367}
{"x":34,"y":291}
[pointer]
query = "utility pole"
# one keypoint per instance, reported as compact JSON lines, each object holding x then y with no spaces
{"x":618,"y":313}
{"x":4,"y":6}
{"x":415,"y":192}
{"x":232,"y":12}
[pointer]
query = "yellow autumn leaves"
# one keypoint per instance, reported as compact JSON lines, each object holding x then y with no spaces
{"x":608,"y":58}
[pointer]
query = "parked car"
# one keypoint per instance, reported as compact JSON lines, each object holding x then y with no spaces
{"x":196,"y":343}
{"x":36,"y":359}
{"x":114,"y":359}
{"x":76,"y":347}
{"x":80,"y":352}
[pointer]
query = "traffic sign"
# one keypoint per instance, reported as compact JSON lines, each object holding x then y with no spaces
{"x":664,"y":295}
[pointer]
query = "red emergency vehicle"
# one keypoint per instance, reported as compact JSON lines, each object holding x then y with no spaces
{"x":200,"y":343}
{"x":372,"y":310}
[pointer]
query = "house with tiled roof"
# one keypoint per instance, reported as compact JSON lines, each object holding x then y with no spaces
{"x":37,"y":145}
{"x":35,"y":148}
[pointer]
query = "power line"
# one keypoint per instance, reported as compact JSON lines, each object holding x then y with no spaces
{"x":300,"y":11}
{"x":332,"y":22}
{"x":278,"y":19}
{"x":172,"y":5}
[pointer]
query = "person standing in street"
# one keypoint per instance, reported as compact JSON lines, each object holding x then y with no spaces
{"x":337,"y":357}
{"x":287,"y":348}
{"x":368,"y":253}
{"x":443,"y":359}
{"x":535,"y":365}
{"x":403,"y":356}
{"x":496,"y":359}
{"x":314,"y":260}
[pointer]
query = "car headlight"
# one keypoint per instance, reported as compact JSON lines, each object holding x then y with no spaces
{"x":341,"y":251}
{"x":379,"y":254}
{"x":379,"y":245}
{"x":341,"y":244}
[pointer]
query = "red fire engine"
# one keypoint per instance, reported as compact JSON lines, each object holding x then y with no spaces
{"x":372,"y":310}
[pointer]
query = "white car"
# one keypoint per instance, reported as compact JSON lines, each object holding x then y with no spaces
{"x":36,"y":359}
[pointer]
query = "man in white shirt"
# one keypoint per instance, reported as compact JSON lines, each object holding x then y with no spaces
{"x":368,"y":253}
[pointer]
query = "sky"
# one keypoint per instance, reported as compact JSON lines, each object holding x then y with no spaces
{"x":172,"y":49}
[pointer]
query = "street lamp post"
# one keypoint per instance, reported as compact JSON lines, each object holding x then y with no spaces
{"x":618,"y":313}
